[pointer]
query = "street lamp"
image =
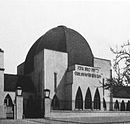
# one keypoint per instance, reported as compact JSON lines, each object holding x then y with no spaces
{"x":18,"y":103}
{"x":19,"y":91}
{"x":46,"y":93}
{"x":47,"y":103}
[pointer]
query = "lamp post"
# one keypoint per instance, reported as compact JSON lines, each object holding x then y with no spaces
{"x":19,"y":91}
{"x":47,"y":103}
{"x":18,"y":110}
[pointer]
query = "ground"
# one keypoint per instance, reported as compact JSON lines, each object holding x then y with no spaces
{"x":84,"y":120}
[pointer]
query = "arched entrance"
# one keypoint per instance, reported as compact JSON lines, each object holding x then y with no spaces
{"x":55,"y":105}
{"x":79,"y":99}
{"x":122,"y":106}
{"x":88,"y":99}
{"x":116,"y":105}
{"x":9,"y":107}
{"x":128,"y":106}
{"x":97,"y":102}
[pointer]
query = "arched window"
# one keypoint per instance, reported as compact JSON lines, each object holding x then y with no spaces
{"x":55,"y":103}
{"x":9,"y":107}
{"x":97,"y":102}
{"x":88,"y":99}
{"x":128,"y":106}
{"x":122,"y":106}
{"x":8,"y":100}
{"x":79,"y":99}
{"x":116,"y":105}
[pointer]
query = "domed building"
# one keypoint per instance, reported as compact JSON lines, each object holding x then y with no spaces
{"x":61,"y":39}
{"x":62,"y":61}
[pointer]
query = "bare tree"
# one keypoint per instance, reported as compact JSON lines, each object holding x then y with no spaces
{"x":121,"y":64}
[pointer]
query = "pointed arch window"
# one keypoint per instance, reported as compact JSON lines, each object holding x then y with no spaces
{"x":116,"y":105}
{"x":122,"y":106}
{"x":55,"y":103}
{"x":128,"y":106}
{"x":88,"y":99}
{"x":9,"y":107}
{"x":97,"y":102}
{"x":79,"y":99}
{"x":8,"y":100}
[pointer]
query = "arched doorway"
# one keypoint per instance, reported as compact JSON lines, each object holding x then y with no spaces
{"x":9,"y":107}
{"x":116,"y":105}
{"x":122,"y":106}
{"x":97,"y":102}
{"x":79,"y":99}
{"x":88,"y":99}
{"x":128,"y":106}
{"x":55,"y":105}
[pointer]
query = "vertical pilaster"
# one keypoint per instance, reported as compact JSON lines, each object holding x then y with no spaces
{"x":2,"y":112}
{"x":47,"y":103}
{"x":1,"y":70}
{"x":19,"y":107}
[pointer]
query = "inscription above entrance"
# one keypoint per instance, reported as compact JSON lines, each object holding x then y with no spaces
{"x":86,"y":71}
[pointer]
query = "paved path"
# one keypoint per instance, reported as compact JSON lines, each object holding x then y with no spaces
{"x":16,"y":122}
{"x":100,"y":120}
{"x":83,"y":120}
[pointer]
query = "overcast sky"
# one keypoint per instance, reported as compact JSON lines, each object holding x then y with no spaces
{"x":22,"y":22}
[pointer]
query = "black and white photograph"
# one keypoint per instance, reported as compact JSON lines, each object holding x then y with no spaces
{"x":64,"y":62}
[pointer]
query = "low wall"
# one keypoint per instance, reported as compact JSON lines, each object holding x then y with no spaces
{"x":72,"y":114}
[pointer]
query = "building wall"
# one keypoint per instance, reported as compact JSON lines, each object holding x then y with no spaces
{"x":38,"y":78}
{"x":82,"y":81}
{"x":76,"y":78}
{"x":55,"y":62}
{"x":20,"y":69}
{"x":105,"y":66}
{"x":120,"y":100}
{"x":46,"y":63}
{"x":68,"y":88}
{"x":2,"y":114}
{"x":1,"y":71}
{"x":38,"y":74}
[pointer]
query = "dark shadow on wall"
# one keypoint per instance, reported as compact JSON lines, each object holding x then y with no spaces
{"x":59,"y":96}
{"x":33,"y":109}
{"x":55,"y":105}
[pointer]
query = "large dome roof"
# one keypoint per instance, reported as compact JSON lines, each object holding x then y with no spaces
{"x":61,"y":39}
